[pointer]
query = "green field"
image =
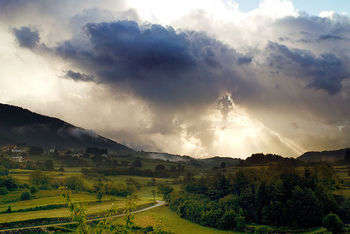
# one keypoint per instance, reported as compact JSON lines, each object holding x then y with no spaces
{"x":50,"y":204}
{"x":164,"y":218}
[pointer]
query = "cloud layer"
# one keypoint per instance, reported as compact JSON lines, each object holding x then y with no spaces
{"x":215,"y":82}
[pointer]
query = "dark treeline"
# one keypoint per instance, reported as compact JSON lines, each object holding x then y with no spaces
{"x":279,"y":195}
{"x":159,"y":171}
{"x":260,"y":159}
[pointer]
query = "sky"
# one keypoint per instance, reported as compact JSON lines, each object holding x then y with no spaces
{"x":201,"y":78}
{"x":314,"y":7}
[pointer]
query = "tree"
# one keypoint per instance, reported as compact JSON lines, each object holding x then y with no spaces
{"x":33,"y":189}
{"x":75,"y":183}
{"x":61,"y":169}
{"x":333,"y":223}
{"x":165,"y":190}
{"x":240,"y":223}
{"x":78,"y":212}
{"x":154,"y":195}
{"x":3,"y":171}
{"x":128,"y":211}
{"x":99,"y":195}
{"x":49,"y":165}
{"x":347,"y":155}
{"x":3,"y":190}
{"x":160,"y":168}
{"x":26,"y":196}
{"x":137,"y":163}
{"x":39,"y":179}
{"x":223,"y":165}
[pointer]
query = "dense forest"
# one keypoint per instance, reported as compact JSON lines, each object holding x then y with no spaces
{"x":279,"y":195}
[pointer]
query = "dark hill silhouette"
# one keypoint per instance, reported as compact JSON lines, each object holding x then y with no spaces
{"x":18,"y":126}
{"x":329,"y":156}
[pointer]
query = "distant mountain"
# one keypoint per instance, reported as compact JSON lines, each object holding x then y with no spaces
{"x":217,"y":161}
{"x":206,"y":162}
{"x":168,"y":157}
{"x":328,"y":156}
{"x":21,"y":126}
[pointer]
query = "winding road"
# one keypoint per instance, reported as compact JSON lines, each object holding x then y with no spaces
{"x":10,"y":230}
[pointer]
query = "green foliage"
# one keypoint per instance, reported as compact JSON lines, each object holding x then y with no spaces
{"x":26,"y":195}
{"x":227,"y":220}
{"x":9,"y":182}
{"x":333,"y":223}
{"x":39,"y":179}
{"x":33,"y":189}
{"x":263,"y":230}
{"x":48,"y":165}
{"x":61,"y":169}
{"x":240,"y":223}
{"x":99,"y":195}
{"x":278,"y":195}
{"x":75,"y":183}
{"x":118,"y":189}
{"x":165,"y":190}
{"x":3,"y":190}
{"x":137,"y":163}
{"x":128,"y":211}
{"x":78,"y":213}
{"x":3,"y":171}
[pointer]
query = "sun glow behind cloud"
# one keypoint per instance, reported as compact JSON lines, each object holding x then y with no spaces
{"x":279,"y":101}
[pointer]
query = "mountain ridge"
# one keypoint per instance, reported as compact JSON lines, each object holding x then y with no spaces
{"x":20,"y":125}
{"x":326,"y":155}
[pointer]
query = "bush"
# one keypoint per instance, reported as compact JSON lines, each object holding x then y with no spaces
{"x":117,"y":189}
{"x":333,"y":223}
{"x":3,"y":171}
{"x":26,"y":196}
{"x":227,"y":221}
{"x":33,"y":189}
{"x":75,"y":183}
{"x":263,"y":229}
{"x":3,"y":190}
{"x":38,"y":178}
{"x":8,"y":182}
{"x":240,"y":223}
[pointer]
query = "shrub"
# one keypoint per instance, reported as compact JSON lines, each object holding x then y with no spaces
{"x":26,"y":196}
{"x":240,"y":223}
{"x":33,"y":189}
{"x":227,"y":221}
{"x":263,"y":230}
{"x":8,"y":182}
{"x":333,"y":223}
{"x":75,"y":183}
{"x":3,"y":171}
{"x":3,"y":190}
{"x":117,"y":189}
{"x":38,"y":178}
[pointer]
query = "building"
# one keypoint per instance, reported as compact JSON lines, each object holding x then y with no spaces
{"x":17,"y":158}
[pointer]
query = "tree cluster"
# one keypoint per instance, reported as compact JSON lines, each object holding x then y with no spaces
{"x":274,"y":196}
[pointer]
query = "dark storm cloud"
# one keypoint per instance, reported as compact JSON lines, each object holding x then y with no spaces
{"x":27,"y":37}
{"x":331,"y":37}
{"x":77,"y":76}
{"x":313,"y":29}
{"x":325,"y":71}
{"x":156,"y":62}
